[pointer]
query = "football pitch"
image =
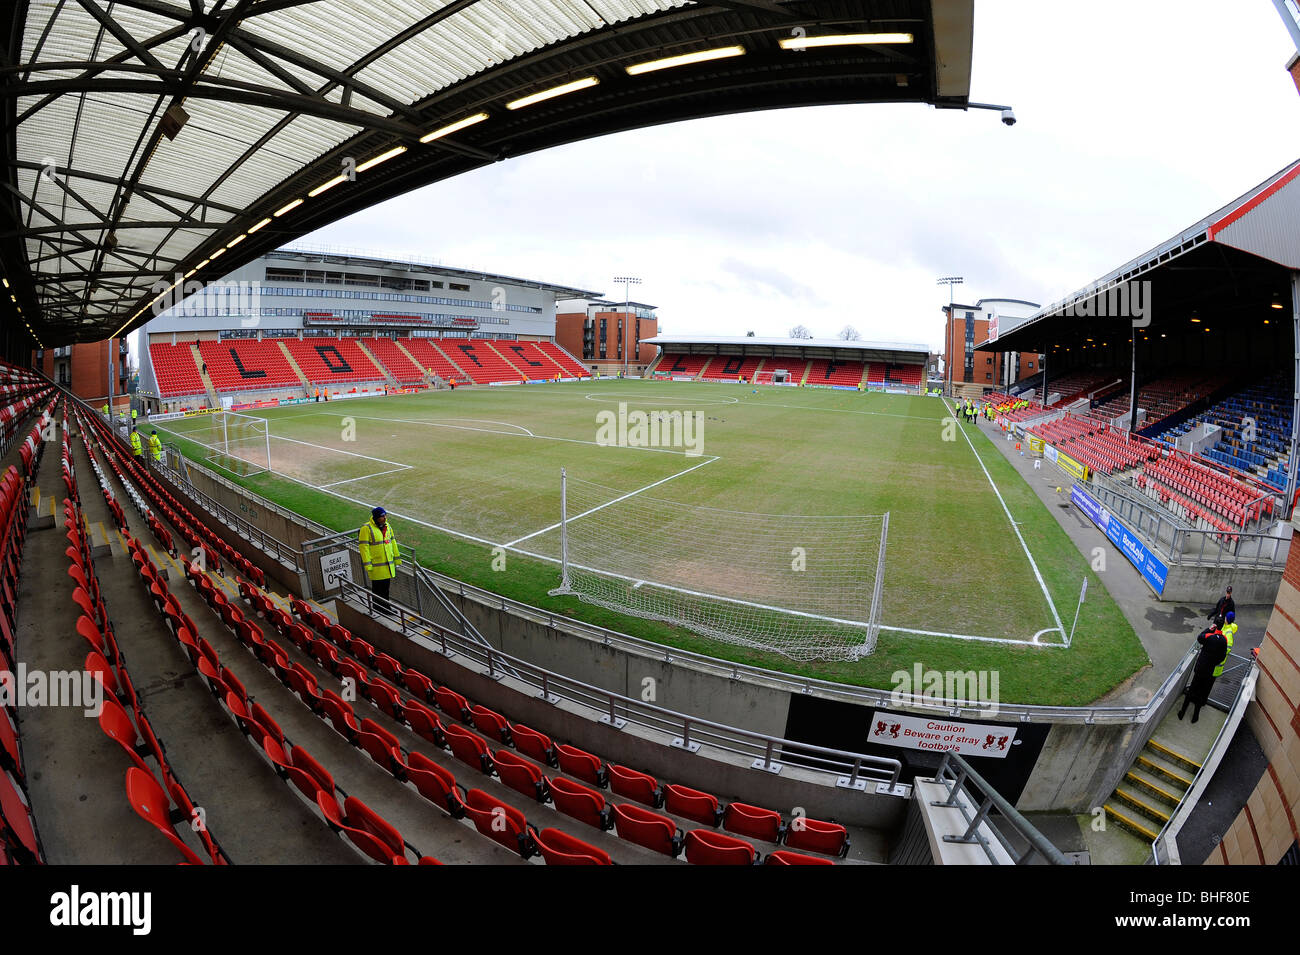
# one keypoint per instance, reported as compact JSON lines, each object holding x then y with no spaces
{"x":978,"y":574}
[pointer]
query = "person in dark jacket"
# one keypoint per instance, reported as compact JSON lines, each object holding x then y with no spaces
{"x":1223,"y":607}
{"x":1208,"y":665}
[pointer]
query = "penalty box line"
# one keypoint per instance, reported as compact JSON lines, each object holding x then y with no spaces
{"x":1015,"y":527}
{"x":601,"y":507}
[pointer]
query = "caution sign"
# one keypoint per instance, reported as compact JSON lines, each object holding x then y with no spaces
{"x":335,"y":568}
{"x":959,"y":736}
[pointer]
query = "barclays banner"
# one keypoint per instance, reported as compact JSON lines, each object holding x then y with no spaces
{"x":1152,"y":570}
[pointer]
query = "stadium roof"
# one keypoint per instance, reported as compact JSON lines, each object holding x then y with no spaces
{"x":292,"y":253}
{"x":1261,"y":224}
{"x":869,"y":350}
{"x":153,"y":140}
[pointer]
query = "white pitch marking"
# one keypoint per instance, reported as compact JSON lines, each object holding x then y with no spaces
{"x":601,"y":507}
{"x":516,"y":434}
{"x":364,"y":476}
{"x":1041,"y":583}
{"x":719,"y":400}
{"x":356,"y":454}
{"x":967,"y":636}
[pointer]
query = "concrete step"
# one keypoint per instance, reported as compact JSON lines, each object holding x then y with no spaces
{"x":1172,"y":757}
{"x":1129,"y":821}
{"x":1164,"y":791}
{"x":1162,"y":771}
{"x":1141,"y":803}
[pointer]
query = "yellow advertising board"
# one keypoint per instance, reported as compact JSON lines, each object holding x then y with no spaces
{"x":1071,"y":466}
{"x":1036,"y":444}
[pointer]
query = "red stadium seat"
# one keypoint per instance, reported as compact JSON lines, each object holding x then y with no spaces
{"x":150,"y":803}
{"x":585,"y":805}
{"x":826,"y":837}
{"x":647,"y":829}
{"x":752,"y":821}
{"x":534,"y":744}
{"x":692,"y":804}
{"x":635,"y":785}
{"x":424,"y":722}
{"x":782,"y":857}
{"x":583,"y":765}
{"x":499,"y":822}
{"x":521,"y":775}
{"x":560,"y":848}
{"x":705,"y":847}
{"x":435,"y":784}
{"x":469,"y":748}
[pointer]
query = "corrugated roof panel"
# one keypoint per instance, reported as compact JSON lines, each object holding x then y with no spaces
{"x":1271,"y":227}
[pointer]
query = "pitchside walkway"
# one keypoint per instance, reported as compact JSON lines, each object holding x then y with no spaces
{"x":1165,"y":629}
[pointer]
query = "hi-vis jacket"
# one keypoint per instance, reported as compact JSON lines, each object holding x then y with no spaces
{"x":155,"y":445}
{"x":379,"y":551}
{"x":136,"y":448}
{"x":1229,"y":631}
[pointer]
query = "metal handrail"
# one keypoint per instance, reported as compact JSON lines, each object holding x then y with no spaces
{"x":990,"y":799}
{"x":1184,"y":808}
{"x":853,"y":770}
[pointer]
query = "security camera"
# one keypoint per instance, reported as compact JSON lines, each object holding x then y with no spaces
{"x":1008,"y":117}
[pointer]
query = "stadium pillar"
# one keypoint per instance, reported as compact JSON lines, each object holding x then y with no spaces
{"x":1133,"y":383}
{"x":1295,"y":395}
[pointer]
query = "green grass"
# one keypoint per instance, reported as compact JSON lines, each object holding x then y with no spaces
{"x":954,"y":563}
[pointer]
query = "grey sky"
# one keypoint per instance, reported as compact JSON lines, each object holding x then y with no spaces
{"x":1135,"y":119}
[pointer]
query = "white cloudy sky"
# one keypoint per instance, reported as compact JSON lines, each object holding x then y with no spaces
{"x":1135,"y":120}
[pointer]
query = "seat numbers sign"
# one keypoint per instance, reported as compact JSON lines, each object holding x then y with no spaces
{"x":335,"y":567}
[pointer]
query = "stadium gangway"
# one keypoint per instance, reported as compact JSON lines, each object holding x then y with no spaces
{"x":852,"y":770}
{"x":272,"y":546}
{"x":1164,"y":848}
{"x":954,"y":773}
{"x":421,"y":583}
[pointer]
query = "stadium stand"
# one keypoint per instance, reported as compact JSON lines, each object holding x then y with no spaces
{"x":175,"y":371}
{"x":431,"y":359}
{"x":733,"y":368}
{"x":247,"y":365}
{"x":822,"y":371}
{"x":1163,"y":397}
{"x":531,"y":361}
{"x":1268,"y":403}
{"x":571,"y":367}
{"x":390,"y":354}
{"x":478,"y":359}
{"x":333,"y":360}
{"x":682,"y":365}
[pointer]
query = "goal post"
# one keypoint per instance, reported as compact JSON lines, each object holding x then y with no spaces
{"x":240,"y":443}
{"x":807,"y":587}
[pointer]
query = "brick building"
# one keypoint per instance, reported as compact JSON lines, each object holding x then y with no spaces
{"x":85,"y":368}
{"x":607,"y":336}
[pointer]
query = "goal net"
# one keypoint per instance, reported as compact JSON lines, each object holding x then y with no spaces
{"x":240,"y":443}
{"x":805,"y":587}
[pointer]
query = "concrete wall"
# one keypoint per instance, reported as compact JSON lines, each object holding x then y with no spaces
{"x":711,"y":769}
{"x":1196,"y":585}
